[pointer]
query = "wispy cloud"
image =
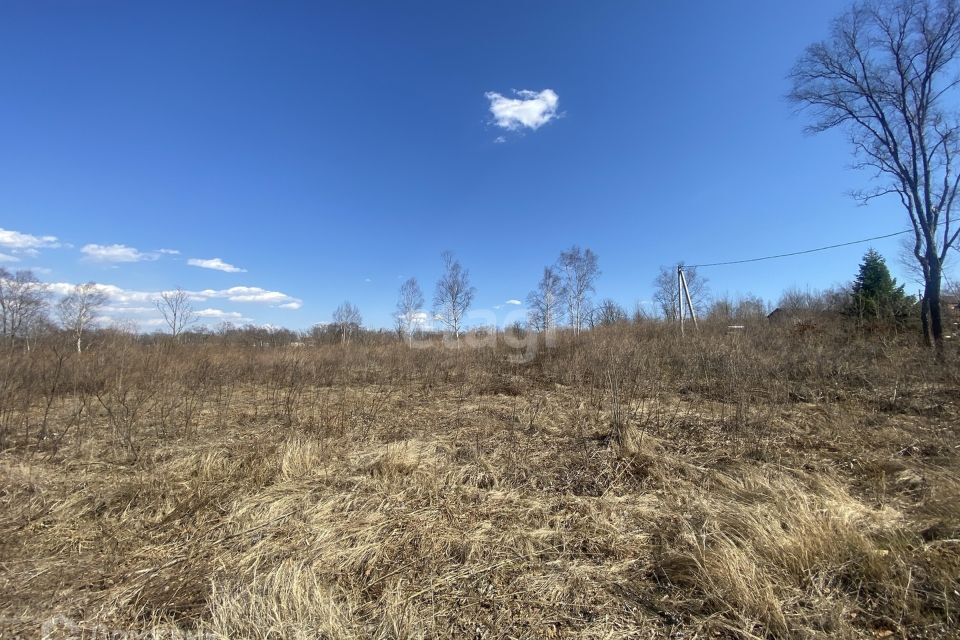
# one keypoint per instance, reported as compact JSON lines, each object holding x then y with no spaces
{"x":19,"y":244}
{"x":528,"y":110}
{"x":169,"y":252}
{"x":290,"y":305}
{"x":512,"y":301}
{"x":220,"y":314}
{"x":214,"y":263}
{"x":17,"y":240}
{"x":127,"y":309}
{"x":115,"y":253}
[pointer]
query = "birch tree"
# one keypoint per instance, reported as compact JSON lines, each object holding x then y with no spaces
{"x":545,"y":303}
{"x":409,"y":305}
{"x":453,"y":295}
{"x":578,"y":271}
{"x":78,"y":310}
{"x":347,"y":318}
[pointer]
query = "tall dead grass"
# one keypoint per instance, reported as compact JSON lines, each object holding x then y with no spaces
{"x":623,"y":484}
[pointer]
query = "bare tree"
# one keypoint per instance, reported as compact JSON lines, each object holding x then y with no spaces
{"x":453,"y":295}
{"x":78,"y":310}
{"x":578,"y":271}
{"x":800,"y":303}
{"x":666,"y":290}
{"x":347,"y":318}
{"x":720,"y":310}
{"x":887,"y":75}
{"x":750,"y":308}
{"x":409,"y":305}
{"x":607,"y":313}
{"x":176,"y":310}
{"x":23,"y":303}
{"x":545,"y":303}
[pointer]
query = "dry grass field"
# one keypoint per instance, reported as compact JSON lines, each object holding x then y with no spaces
{"x":771,"y":484}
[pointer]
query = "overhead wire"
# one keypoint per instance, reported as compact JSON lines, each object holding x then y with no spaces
{"x":797,"y":253}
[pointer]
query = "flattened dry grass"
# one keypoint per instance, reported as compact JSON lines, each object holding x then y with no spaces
{"x":619,"y":500}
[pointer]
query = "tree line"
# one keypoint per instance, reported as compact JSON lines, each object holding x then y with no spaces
{"x":562,"y":298}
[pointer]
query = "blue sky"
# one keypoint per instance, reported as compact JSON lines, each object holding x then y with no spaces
{"x":330,"y":150}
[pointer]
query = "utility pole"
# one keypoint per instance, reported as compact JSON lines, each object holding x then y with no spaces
{"x":683,"y":291}
{"x":680,"y":296}
{"x":686,"y":291}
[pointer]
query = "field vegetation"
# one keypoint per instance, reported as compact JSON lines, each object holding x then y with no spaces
{"x":792,"y":480}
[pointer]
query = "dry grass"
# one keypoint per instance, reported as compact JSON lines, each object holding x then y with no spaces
{"x":621,"y":486}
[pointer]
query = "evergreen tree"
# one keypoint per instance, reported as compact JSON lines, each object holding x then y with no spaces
{"x":876,"y":294}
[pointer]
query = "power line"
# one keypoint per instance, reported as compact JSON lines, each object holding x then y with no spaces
{"x":797,"y":253}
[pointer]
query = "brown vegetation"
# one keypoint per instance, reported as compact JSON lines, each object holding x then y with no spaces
{"x":765,"y":483}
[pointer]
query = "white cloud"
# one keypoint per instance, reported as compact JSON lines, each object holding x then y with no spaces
{"x":125,"y":309}
{"x":529,"y":110}
{"x":132,"y":307}
{"x":499,"y":139}
{"x":220,"y":314}
{"x":115,"y":253}
{"x":8,"y":258}
{"x":246,"y":294}
{"x":513,"y":302}
{"x":255,"y":295}
{"x":169,"y":252}
{"x":214,"y":263}
{"x":113,"y":292}
{"x":420,"y":319}
{"x":23,"y":241}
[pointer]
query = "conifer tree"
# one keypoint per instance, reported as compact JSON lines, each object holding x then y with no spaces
{"x":876,"y":294}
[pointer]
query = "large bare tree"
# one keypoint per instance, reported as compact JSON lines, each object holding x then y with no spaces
{"x":546,"y":302}
{"x":453,"y":295}
{"x":347,"y":318}
{"x":78,"y":310}
{"x":578,"y":270}
{"x":887,"y":75}
{"x":409,"y":305}
{"x":23,"y":302}
{"x":176,"y":310}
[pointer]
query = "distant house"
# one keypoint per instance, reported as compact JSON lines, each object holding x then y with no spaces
{"x":778,"y":315}
{"x":781,"y":315}
{"x":805,"y":318}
